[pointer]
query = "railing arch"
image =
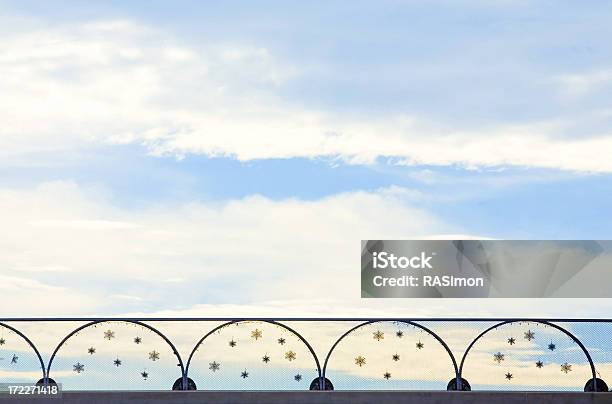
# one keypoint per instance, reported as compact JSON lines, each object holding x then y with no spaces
{"x":238,"y":321}
{"x":420,"y":326}
{"x":95,"y":322}
{"x":31,"y":344}
{"x":544,"y":322}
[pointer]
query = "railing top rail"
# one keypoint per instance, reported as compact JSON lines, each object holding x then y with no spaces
{"x":440,"y":319}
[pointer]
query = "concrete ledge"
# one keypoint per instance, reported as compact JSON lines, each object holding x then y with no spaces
{"x":323,"y":397}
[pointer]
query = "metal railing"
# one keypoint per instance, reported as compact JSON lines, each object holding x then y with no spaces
{"x":259,"y":353}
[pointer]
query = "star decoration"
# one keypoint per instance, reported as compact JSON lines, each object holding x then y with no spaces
{"x":2,"y":341}
{"x":566,"y":368}
{"x":498,"y":357}
{"x":396,"y":357}
{"x":281,"y":341}
{"x":154,"y":355}
{"x":290,"y":355}
{"x":529,"y":335}
{"x":108,"y":334}
{"x":378,"y":335}
{"x":244,"y":374}
{"x":551,"y":346}
{"x":297,"y":377}
{"x":232,"y":343}
{"x":511,"y":341}
{"x":509,"y":376}
{"x":539,"y":364}
{"x":117,"y":362}
{"x":360,"y":361}
{"x":387,"y":375}
{"x":91,"y":350}
{"x":78,"y":367}
{"x":144,"y":375}
{"x":420,"y":345}
{"x":214,"y":366}
{"x":137,"y":340}
{"x":399,"y":334}
{"x":265,"y":359}
{"x":256,"y":334}
{"x":14,"y":359}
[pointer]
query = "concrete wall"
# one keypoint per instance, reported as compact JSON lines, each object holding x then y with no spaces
{"x":309,"y":397}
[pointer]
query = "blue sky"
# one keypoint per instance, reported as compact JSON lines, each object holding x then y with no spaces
{"x":152,"y":141}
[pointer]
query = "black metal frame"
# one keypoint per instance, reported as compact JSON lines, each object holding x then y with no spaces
{"x":457,"y":369}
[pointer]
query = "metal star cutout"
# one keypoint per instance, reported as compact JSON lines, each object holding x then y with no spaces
{"x":154,"y":355}
{"x":551,"y":346}
{"x":232,"y":343}
{"x":360,"y":361}
{"x":137,"y":340}
{"x":566,"y":368}
{"x":256,"y":334}
{"x":511,"y":341}
{"x":14,"y":359}
{"x":420,"y":345}
{"x":2,"y":341}
{"x":399,"y":334}
{"x":117,"y":362}
{"x":78,"y":367}
{"x":387,"y":375}
{"x":214,"y":366}
{"x":108,"y":334}
{"x":396,"y":357}
{"x":265,"y":359}
{"x":539,"y":364}
{"x":297,"y":377}
{"x":529,"y":335}
{"x":144,"y":375}
{"x":509,"y":376}
{"x":91,"y":350}
{"x":244,"y":374}
{"x":378,"y":335}
{"x":281,"y":341}
{"x":498,"y":357}
{"x":290,"y":355}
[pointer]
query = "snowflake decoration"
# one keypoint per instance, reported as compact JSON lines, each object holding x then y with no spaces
{"x":214,"y":366}
{"x":509,"y":376}
{"x":360,"y":361}
{"x":108,"y":334}
{"x":117,"y":362}
{"x":396,"y":357}
{"x":14,"y":359}
{"x":281,"y":341}
{"x":298,"y":377}
{"x":232,"y":343}
{"x":420,"y":345}
{"x":91,"y":350}
{"x":2,"y":341}
{"x":244,"y":374}
{"x":378,"y":335}
{"x":78,"y":367}
{"x":387,"y":375}
{"x":144,"y":374}
{"x":498,"y":357}
{"x":539,"y":364}
{"x":511,"y":341}
{"x":265,"y":359}
{"x":551,"y":346}
{"x":290,"y":355}
{"x":256,"y":334}
{"x":137,"y":340}
{"x":154,"y":355}
{"x":566,"y":368}
{"x":529,"y":335}
{"x":399,"y":334}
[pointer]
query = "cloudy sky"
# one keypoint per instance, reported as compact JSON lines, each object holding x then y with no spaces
{"x":227,"y":158}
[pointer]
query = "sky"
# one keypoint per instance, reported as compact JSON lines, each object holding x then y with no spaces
{"x":226,"y":159}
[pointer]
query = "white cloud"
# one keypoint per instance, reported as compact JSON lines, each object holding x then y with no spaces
{"x":117,"y":82}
